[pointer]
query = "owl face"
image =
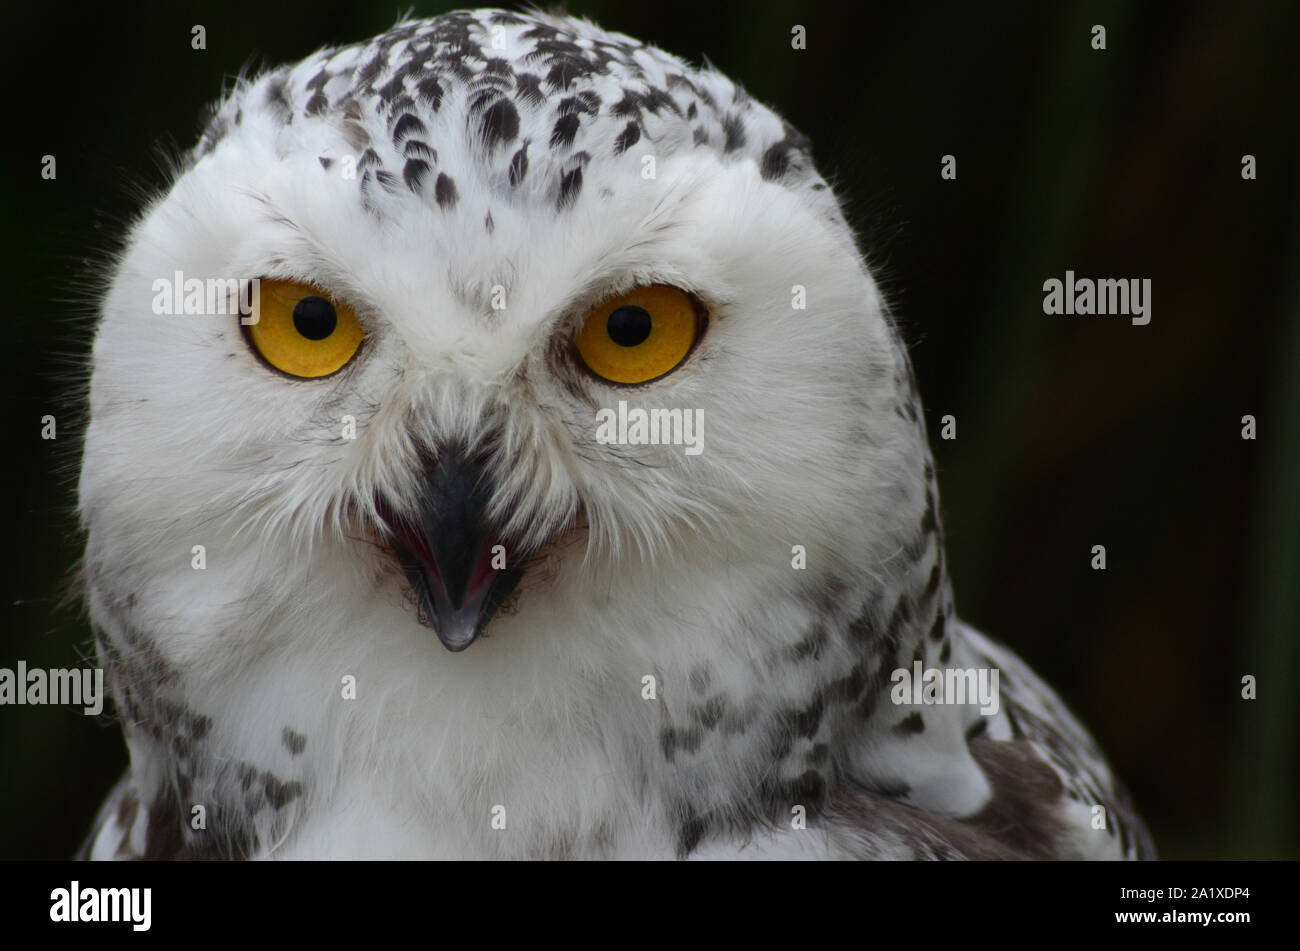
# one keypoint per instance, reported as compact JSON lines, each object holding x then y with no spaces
{"x":563,"y":466}
{"x":471,"y":249}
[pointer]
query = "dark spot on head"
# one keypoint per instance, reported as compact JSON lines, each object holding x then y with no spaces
{"x":280,"y":794}
{"x":733,"y":131}
{"x":444,"y":191}
{"x":500,"y":123}
{"x":414,"y":148}
{"x":408,"y":125}
{"x":369,"y":70}
{"x":566,"y":71}
{"x":528,"y":89}
{"x":587,"y":102}
{"x":393,"y":88}
{"x":630,"y":135}
{"x":629,"y":105}
{"x":566,"y":128}
{"x":912,"y":723}
{"x":430,"y":91}
{"x":570,"y":185}
{"x":294,"y":742}
{"x":400,"y":106}
{"x":519,"y":165}
{"x":414,"y":173}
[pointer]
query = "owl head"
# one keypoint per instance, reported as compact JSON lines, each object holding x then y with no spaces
{"x":501,"y":361}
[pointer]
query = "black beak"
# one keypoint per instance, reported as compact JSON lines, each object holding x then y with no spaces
{"x":457,"y":561}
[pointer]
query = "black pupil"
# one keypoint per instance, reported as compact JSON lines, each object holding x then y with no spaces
{"x":315,"y":318}
{"x":629,"y":326}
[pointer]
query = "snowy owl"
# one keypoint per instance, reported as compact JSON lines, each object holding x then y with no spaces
{"x":498,"y":447}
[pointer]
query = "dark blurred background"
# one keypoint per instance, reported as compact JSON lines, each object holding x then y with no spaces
{"x":1071,"y":431}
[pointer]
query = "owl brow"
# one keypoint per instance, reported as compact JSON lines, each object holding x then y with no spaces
{"x":318,"y":267}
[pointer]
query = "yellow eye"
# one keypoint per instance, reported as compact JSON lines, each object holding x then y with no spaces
{"x":301,"y":331}
{"x":639,"y":336}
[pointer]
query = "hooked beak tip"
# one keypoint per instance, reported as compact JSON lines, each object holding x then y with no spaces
{"x":449,"y":551}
